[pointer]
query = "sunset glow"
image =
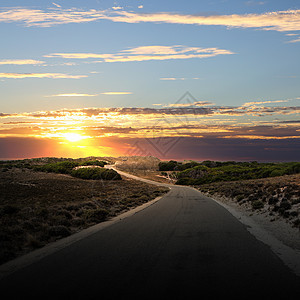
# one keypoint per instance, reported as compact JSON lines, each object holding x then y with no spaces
{"x":73,"y":137}
{"x":210,"y":80}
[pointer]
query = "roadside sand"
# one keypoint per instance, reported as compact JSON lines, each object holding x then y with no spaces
{"x":277,"y":227}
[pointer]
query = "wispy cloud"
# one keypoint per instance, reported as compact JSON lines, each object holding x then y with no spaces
{"x":194,"y":109}
{"x":297,"y":40}
{"x":197,"y":103}
{"x":288,"y":20}
{"x":254,"y":3}
{"x":265,"y":102}
{"x":55,"y":4}
{"x":177,"y":78}
{"x":116,"y":93}
{"x":73,"y":95}
{"x":146,"y":53}
{"x":171,"y":78}
{"x":20,"y":62}
{"x":40,"y":75}
{"x":117,"y":7}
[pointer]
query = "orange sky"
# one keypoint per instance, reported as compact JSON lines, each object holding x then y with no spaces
{"x":187,"y":131}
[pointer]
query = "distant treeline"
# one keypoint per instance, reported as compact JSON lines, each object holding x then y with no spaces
{"x":197,"y":173}
{"x":66,"y":166}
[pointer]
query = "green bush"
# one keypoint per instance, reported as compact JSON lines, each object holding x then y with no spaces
{"x":257,"y":204}
{"x":99,"y":163}
{"x":167,"y":166}
{"x":96,"y":173}
{"x":62,"y":167}
{"x":209,"y":171}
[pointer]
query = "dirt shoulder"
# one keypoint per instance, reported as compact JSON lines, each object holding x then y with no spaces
{"x":38,"y":208}
{"x":272,"y":203}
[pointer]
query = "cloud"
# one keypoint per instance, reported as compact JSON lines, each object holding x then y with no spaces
{"x":117,"y":7}
{"x":288,"y":20}
{"x":193,"y":109}
{"x":146,"y":53}
{"x":73,"y":95}
{"x":116,"y":93}
{"x":171,"y":78}
{"x":203,"y":131}
{"x":20,"y":62}
{"x":55,"y":4}
{"x":264,"y":102}
{"x":196,"y":103}
{"x":253,"y":3}
{"x":39,"y":75}
{"x":3,"y":115}
{"x":297,"y":40}
{"x":278,"y":20}
{"x":177,"y":78}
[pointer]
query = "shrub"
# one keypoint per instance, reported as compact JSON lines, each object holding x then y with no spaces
{"x":96,"y":173}
{"x":97,"y":215}
{"x":257,"y":204}
{"x":94,"y":163}
{"x":285,"y":205}
{"x":273,"y":200}
{"x":167,"y":166}
{"x":62,"y":167}
{"x":239,"y":198}
{"x":210,"y":171}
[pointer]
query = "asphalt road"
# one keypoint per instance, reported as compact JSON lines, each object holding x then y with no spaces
{"x":183,"y":246}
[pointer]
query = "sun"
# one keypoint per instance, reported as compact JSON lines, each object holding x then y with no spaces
{"x":73,"y":137}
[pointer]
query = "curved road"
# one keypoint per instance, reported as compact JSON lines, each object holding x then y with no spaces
{"x":183,"y":246}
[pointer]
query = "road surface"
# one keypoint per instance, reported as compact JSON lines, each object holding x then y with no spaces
{"x":183,"y":246}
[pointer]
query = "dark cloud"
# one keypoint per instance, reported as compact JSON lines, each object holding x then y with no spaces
{"x":217,"y":149}
{"x":189,"y":110}
{"x":5,"y":115}
{"x":289,"y":122}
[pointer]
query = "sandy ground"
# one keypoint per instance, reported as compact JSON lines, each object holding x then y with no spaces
{"x":279,"y":227}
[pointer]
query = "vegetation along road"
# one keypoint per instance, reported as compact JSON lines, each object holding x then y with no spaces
{"x":185,"y":244}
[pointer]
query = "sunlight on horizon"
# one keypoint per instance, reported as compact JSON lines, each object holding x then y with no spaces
{"x":73,"y":137}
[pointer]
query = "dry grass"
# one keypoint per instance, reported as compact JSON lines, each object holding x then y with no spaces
{"x":39,"y":208}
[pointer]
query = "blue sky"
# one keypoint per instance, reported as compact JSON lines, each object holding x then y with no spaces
{"x":66,"y":55}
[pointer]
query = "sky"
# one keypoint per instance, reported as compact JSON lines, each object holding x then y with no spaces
{"x":200,"y":80}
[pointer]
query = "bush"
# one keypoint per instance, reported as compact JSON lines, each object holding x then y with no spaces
{"x":62,"y":167}
{"x":210,"y":171}
{"x":97,"y":215}
{"x":94,"y":163}
{"x":285,"y":205}
{"x":167,"y":166}
{"x":257,"y":204}
{"x":96,"y":173}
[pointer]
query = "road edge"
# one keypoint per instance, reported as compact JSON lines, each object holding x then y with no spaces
{"x":25,"y":260}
